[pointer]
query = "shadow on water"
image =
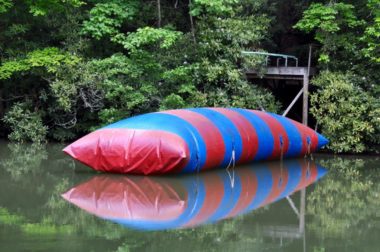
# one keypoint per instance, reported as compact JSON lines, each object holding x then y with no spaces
{"x":267,"y":206}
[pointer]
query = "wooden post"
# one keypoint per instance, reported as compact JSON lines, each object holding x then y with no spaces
{"x":302,"y":211}
{"x":159,"y":13}
{"x":305,"y":109}
{"x":293,"y":102}
{"x":302,"y":217}
{"x":192,"y":24}
{"x":1,"y":103}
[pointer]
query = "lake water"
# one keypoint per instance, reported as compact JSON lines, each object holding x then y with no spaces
{"x":48,"y":202}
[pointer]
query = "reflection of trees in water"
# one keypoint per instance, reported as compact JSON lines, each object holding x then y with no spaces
{"x":23,"y":159}
{"x":32,"y":159}
{"x":345,"y":203}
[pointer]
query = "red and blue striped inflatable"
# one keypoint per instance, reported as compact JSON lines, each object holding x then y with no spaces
{"x":157,"y":203}
{"x":191,"y":140}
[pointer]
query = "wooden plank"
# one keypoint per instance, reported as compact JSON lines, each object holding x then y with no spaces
{"x":293,"y":102}
{"x":305,"y":108}
{"x":285,"y":71}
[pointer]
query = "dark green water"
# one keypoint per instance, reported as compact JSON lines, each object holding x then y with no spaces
{"x":341,"y":211}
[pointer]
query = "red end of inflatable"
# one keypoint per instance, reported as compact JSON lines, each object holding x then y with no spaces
{"x":147,"y":151}
{"x":132,"y":198}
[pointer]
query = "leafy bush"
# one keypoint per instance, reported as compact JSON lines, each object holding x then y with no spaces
{"x":332,"y":24}
{"x":25,"y":124}
{"x":107,"y":18}
{"x":101,"y":62}
{"x":173,"y":101}
{"x":50,"y":58}
{"x":346,"y":113}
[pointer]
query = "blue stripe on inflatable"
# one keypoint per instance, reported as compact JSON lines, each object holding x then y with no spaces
{"x":264,"y":187}
{"x":264,"y":135}
{"x":294,"y":177}
{"x":321,"y":171}
{"x":230,"y":198}
{"x":294,"y":136}
{"x":172,"y":124}
{"x":322,"y":141}
{"x":230,"y":134}
{"x":196,"y":196}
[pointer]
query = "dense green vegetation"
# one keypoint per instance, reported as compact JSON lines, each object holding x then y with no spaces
{"x":67,"y":67}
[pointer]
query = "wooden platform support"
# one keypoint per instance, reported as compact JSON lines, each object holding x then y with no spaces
{"x":293,"y":102}
{"x":286,"y":72}
{"x":305,"y":109}
{"x":291,"y":232}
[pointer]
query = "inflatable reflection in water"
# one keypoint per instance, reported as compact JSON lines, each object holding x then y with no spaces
{"x":155,"y":203}
{"x":191,"y":140}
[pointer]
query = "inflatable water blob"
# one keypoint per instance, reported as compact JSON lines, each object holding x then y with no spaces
{"x":158,"y":203}
{"x":192,"y":140}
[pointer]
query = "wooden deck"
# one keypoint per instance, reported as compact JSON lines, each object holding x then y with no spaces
{"x":282,"y":73}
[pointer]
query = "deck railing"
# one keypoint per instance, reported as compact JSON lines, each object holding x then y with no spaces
{"x":278,"y":57}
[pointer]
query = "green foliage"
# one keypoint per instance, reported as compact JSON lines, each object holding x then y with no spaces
{"x":8,"y":68}
{"x":42,"y":7}
{"x":328,"y":18}
{"x":148,"y":36}
{"x":107,"y":18}
{"x":371,"y":36}
{"x":333,"y":24}
{"x":349,"y":35}
{"x":345,"y":112}
{"x":227,"y":37}
{"x":221,"y":41}
{"x":91,"y":83}
{"x":55,"y":56}
{"x":26,"y":125}
{"x":50,"y":58}
{"x":5,"y":5}
{"x":257,"y":62}
{"x":213,"y":7}
{"x":347,"y":108}
{"x":46,"y":228}
{"x":8,"y":218}
{"x":173,"y":101}
{"x":114,"y":87}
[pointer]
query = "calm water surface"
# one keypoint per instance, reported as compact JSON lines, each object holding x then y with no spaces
{"x":50,"y":203}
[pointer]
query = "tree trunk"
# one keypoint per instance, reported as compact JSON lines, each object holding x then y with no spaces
{"x":159,"y":13}
{"x":192,"y":23}
{"x":1,"y":104}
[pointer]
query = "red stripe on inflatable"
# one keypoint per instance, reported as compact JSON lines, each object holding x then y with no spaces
{"x":213,"y":139}
{"x":131,"y":151}
{"x":130,"y":198}
{"x":306,"y":132}
{"x":247,"y":132}
{"x":280,"y":179}
{"x":214,"y":188}
{"x":308,"y":176}
{"x":277,"y":131}
{"x":249,"y":185}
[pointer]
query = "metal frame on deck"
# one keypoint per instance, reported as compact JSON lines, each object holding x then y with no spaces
{"x":287,"y":73}
{"x":276,"y":55}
